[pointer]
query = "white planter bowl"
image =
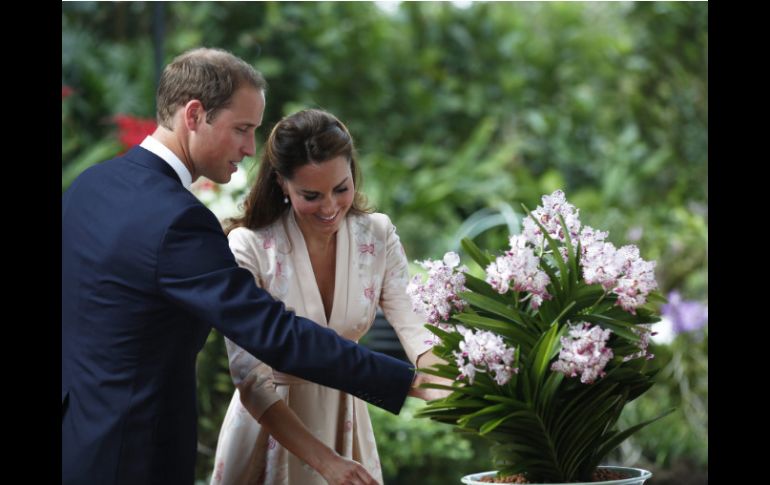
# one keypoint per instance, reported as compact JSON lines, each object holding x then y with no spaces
{"x":637,"y":476}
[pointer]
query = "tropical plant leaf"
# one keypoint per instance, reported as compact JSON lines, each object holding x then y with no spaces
{"x":555,"y":284}
{"x":509,"y":401}
{"x":580,"y":407}
{"x":588,"y":296}
{"x":545,"y":349}
{"x":513,"y":332}
{"x":619,"y":437}
{"x":548,"y":394}
{"x":480,"y":286}
{"x":475,"y":253}
{"x":571,"y":276}
{"x":618,"y":327}
{"x":656,"y":296}
{"x":587,"y":432}
{"x":506,"y":311}
{"x":487,"y":409}
{"x":491,"y":425}
{"x":441,"y":333}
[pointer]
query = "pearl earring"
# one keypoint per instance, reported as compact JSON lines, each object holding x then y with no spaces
{"x":285,"y":199}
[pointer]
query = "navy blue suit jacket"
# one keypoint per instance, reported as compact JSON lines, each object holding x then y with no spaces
{"x":146,"y":273}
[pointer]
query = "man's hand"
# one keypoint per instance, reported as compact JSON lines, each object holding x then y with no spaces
{"x":427,"y":359}
{"x":427,"y":394}
{"x":341,"y":471}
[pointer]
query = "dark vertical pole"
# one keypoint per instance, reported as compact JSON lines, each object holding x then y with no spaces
{"x":158,"y":31}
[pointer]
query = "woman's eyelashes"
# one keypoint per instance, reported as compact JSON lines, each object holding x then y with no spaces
{"x":312,"y":197}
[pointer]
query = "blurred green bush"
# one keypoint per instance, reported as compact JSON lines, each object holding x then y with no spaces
{"x":416,"y":450}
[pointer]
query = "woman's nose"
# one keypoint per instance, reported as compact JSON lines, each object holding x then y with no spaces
{"x":328,"y":206}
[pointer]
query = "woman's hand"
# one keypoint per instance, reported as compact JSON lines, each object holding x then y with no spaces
{"x":284,"y":425}
{"x":340,"y":471}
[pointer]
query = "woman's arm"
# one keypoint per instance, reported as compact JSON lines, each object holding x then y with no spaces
{"x":283,"y":425}
{"x":409,"y":326}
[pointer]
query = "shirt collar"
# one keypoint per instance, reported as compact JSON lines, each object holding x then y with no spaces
{"x":169,"y":157}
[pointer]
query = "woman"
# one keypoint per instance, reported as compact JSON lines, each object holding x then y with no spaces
{"x":308,"y":238}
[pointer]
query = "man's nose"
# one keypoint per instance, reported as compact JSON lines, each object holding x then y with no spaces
{"x":250,"y":149}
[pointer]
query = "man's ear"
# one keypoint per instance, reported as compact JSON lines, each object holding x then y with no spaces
{"x":194,"y":114}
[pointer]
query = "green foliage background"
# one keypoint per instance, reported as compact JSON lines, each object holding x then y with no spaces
{"x":460,"y":114}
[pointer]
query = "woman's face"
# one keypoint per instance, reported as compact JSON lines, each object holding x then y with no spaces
{"x":321,"y":195}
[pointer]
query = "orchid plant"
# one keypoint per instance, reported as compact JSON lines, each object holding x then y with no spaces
{"x":547,"y":349}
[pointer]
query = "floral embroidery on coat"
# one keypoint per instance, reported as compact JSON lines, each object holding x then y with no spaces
{"x":368,"y":248}
{"x":279,"y":272}
{"x":398,"y":276}
{"x":219,"y":469}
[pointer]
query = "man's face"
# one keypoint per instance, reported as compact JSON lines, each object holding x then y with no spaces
{"x":217,"y":147}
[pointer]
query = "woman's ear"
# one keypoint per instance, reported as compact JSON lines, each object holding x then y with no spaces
{"x":282,"y":183}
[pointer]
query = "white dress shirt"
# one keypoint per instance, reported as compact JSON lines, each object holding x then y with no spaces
{"x":169,"y":157}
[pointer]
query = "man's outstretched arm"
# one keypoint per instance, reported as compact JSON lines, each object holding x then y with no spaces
{"x":197,"y":272}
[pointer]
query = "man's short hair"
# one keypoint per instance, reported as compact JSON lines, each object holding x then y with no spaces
{"x":209,"y":75}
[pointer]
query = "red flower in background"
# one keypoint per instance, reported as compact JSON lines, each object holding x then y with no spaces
{"x":66,"y":91}
{"x":133,"y":130}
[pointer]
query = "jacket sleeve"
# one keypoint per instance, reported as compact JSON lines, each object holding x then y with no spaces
{"x":197,"y":273}
{"x":396,"y":304}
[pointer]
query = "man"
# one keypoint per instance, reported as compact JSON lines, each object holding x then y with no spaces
{"x":146,"y":273}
